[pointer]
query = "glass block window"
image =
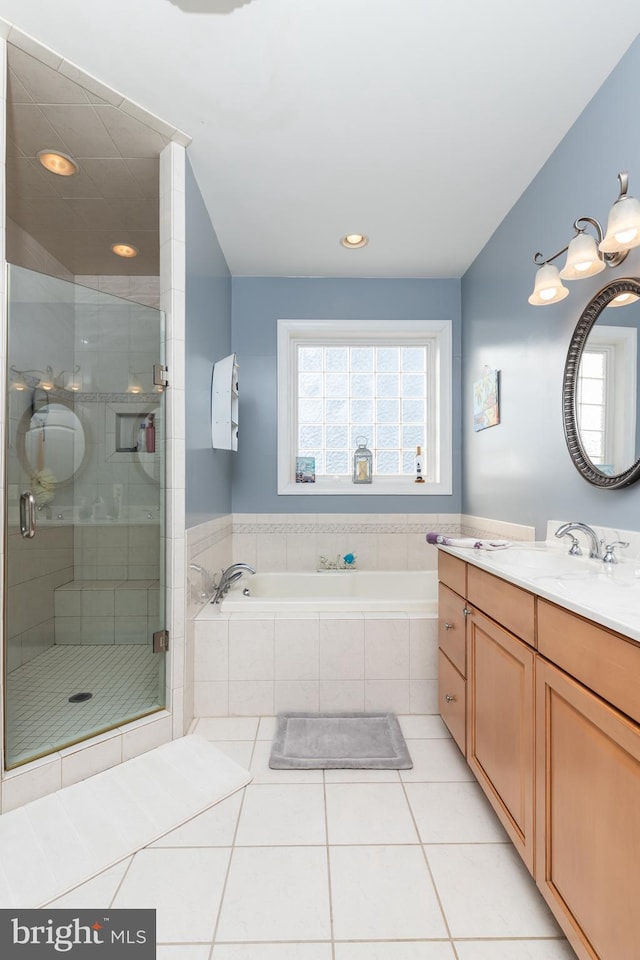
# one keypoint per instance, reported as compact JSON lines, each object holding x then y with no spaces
{"x":350,"y":391}
{"x":388,"y":381}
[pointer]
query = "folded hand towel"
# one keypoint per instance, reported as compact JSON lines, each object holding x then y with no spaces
{"x":470,"y":542}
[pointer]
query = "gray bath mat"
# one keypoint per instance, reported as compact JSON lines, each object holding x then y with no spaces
{"x":366,"y":741}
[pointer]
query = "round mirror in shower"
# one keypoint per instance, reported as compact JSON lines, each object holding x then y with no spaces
{"x":51,"y":444}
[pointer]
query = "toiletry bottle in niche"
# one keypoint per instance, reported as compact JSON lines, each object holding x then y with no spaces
{"x":419,"y":466}
{"x":150,"y":435}
{"x":142,"y":439}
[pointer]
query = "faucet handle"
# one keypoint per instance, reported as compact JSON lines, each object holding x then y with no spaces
{"x":609,"y":554}
{"x":574,"y":550}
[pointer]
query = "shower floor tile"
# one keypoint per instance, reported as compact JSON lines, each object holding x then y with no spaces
{"x":125,"y":681}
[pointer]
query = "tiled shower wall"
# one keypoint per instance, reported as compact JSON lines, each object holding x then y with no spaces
{"x":32,"y":581}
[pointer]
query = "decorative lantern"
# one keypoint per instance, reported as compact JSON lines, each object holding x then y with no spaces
{"x":362,"y":462}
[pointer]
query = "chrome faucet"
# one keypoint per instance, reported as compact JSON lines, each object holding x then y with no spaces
{"x":229,"y":576}
{"x":566,"y":529}
{"x":609,"y":550}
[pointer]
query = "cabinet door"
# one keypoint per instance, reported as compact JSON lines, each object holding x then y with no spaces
{"x":500,"y":728}
{"x":588,"y":817}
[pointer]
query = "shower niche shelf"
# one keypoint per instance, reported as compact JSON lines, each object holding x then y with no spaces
{"x":224,"y":404}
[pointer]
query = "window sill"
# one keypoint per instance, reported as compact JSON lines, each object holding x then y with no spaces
{"x":381,"y":487}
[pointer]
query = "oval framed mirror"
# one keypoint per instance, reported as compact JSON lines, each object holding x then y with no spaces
{"x":51,"y":444}
{"x":600,"y":388}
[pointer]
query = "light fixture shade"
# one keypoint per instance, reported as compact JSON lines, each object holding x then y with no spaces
{"x":623,"y":300}
{"x":623,"y":226}
{"x":583,"y":259}
{"x":548,"y":287}
{"x":134,"y":383}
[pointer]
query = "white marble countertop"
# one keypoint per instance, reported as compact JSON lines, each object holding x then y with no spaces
{"x":608,"y":594}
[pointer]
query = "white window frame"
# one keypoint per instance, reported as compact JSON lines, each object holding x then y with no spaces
{"x":292,"y":333}
{"x":620,"y":346}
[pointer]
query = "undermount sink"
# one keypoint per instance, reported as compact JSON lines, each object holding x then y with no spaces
{"x":542,"y":560}
{"x":602,"y":592}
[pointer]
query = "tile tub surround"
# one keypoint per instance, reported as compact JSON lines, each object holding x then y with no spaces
{"x":315,"y":661}
{"x":391,"y":541}
{"x":209,"y":546}
{"x":277,"y":542}
{"x":409,"y":865}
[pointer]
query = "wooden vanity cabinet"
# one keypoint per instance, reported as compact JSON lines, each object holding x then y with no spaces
{"x":500,"y":729}
{"x":500,"y":696}
{"x":588,"y":787}
{"x":553,"y":738}
{"x":486,"y":688}
{"x":588,"y":822}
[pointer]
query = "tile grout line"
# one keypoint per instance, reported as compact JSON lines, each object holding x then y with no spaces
{"x":326,"y":833}
{"x":233,"y":846}
{"x":431,"y":877}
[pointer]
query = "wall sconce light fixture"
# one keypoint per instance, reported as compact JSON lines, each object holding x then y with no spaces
{"x":45,"y":379}
{"x":588,"y":255}
{"x":135,"y":384}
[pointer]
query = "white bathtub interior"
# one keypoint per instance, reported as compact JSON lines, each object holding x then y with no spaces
{"x":353,"y":590}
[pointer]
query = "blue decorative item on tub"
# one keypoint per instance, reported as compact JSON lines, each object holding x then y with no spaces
{"x":349,"y":559}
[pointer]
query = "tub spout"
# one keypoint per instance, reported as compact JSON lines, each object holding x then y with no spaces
{"x":229,"y":576}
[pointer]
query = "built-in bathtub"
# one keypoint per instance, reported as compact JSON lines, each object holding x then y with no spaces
{"x":396,"y":591}
{"x":337,"y":640}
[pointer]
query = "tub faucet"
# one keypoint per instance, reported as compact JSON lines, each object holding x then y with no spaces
{"x":566,"y":529}
{"x":229,"y":576}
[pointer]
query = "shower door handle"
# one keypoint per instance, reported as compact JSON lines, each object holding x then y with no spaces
{"x":27,"y":515}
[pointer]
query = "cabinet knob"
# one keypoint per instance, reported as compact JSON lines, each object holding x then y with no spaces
{"x":466,"y":611}
{"x":450,"y":698}
{"x":447,"y":625}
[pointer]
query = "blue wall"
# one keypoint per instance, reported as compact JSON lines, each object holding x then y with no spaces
{"x":208,"y":337}
{"x":257,"y":304}
{"x":520,"y":470}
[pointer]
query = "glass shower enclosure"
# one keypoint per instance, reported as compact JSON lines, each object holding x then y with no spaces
{"x":84,"y":514}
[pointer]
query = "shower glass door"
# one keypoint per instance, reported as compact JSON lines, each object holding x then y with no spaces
{"x":84,"y":514}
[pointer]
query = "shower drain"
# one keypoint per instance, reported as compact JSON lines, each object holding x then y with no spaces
{"x":80,"y":697}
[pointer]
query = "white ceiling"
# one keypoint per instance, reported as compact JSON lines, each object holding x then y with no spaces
{"x":415,"y":122}
{"x":114,"y":197}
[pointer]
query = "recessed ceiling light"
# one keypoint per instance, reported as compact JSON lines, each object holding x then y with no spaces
{"x":352,"y":241}
{"x":59,"y":163}
{"x":124,"y":250}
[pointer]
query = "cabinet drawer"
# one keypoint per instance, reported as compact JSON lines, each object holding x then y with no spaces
{"x":452,"y":699}
{"x":451,"y":627}
{"x":503,"y":602}
{"x":453,"y":572}
{"x":605,"y":662}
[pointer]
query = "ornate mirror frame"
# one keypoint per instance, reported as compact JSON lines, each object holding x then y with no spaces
{"x":588,"y":318}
